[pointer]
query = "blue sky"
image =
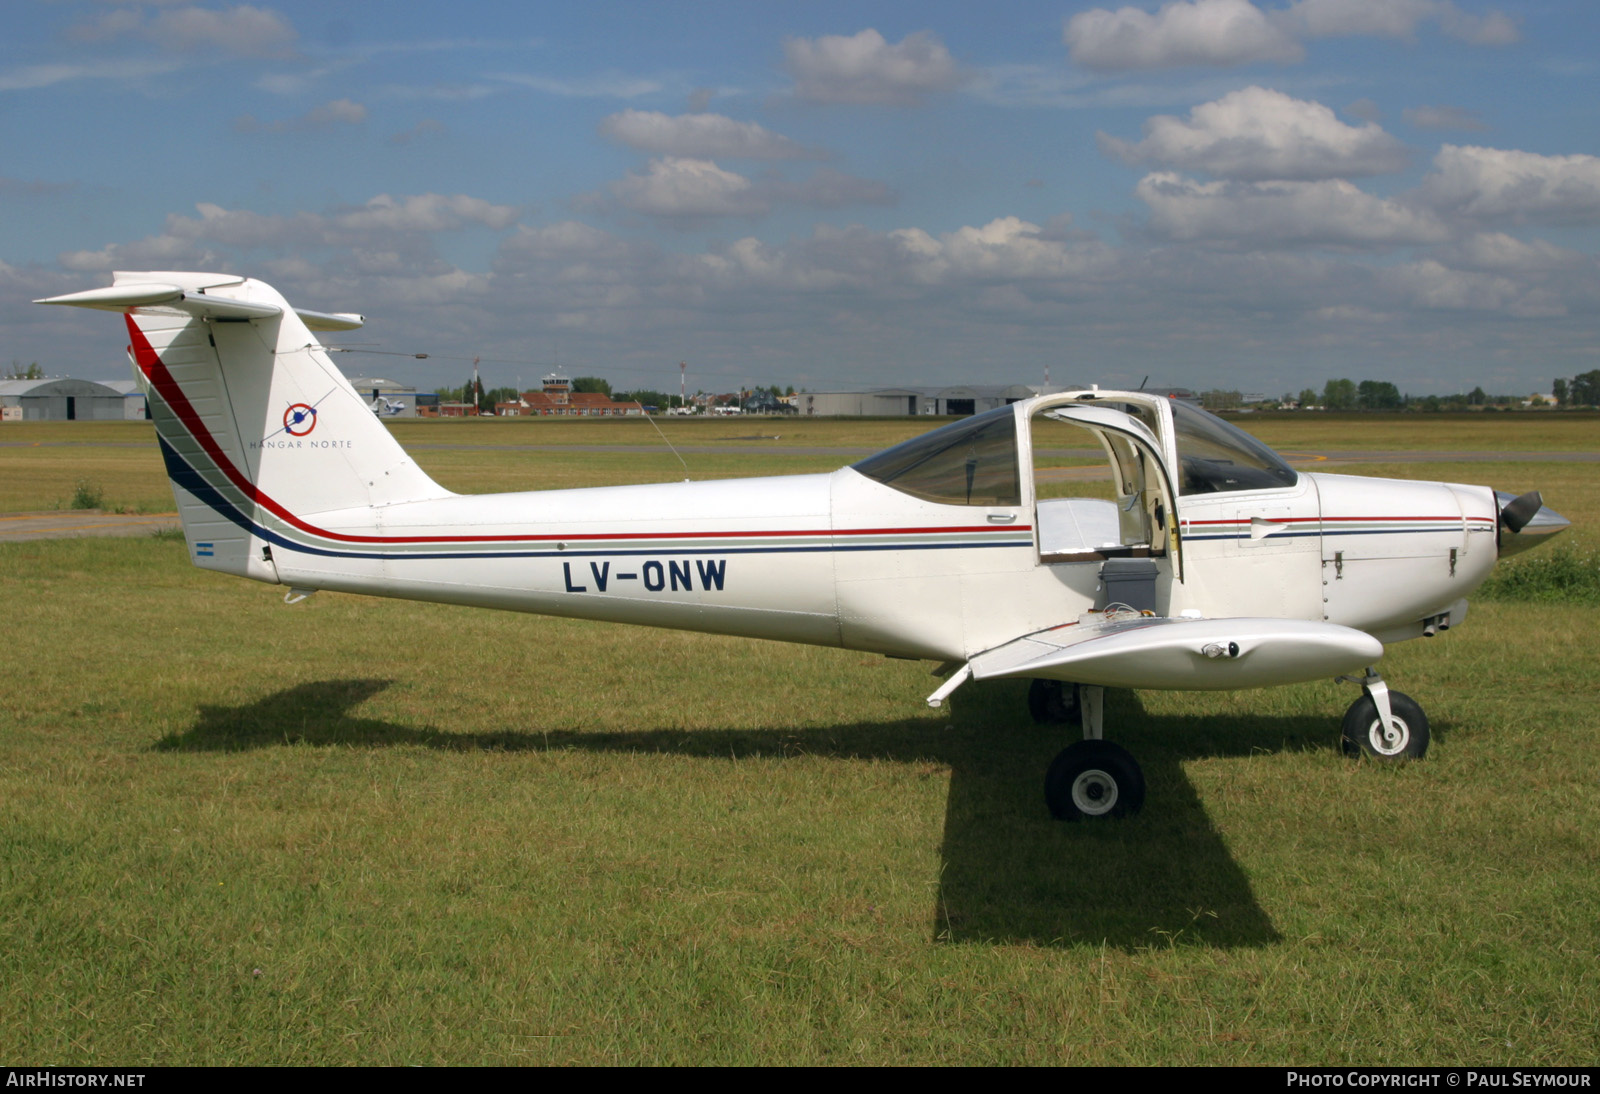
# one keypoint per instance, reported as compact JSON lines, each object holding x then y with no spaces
{"x":1253,"y":194}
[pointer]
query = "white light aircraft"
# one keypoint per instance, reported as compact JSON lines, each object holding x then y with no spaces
{"x":1213,"y":566}
{"x":381,"y":406}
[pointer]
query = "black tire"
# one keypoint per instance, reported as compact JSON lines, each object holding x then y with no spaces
{"x":1093,"y":779}
{"x":1053,"y":703}
{"x":1361,"y":735}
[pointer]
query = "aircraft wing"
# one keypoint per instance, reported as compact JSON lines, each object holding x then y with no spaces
{"x":1180,"y":653}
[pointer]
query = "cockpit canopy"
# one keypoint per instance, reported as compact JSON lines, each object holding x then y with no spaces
{"x":975,"y":461}
{"x":1219,"y":457}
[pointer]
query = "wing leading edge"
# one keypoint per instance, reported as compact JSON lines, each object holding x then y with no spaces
{"x":1177,"y":653}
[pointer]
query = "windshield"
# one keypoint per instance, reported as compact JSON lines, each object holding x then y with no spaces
{"x":1218,"y":457}
{"x":973,"y":462}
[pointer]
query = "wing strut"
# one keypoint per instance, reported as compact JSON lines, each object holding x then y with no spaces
{"x":957,"y":678}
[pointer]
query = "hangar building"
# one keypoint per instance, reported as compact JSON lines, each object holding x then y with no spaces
{"x":66,"y":400}
{"x":900,"y":401}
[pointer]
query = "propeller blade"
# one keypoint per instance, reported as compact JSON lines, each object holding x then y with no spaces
{"x":1517,"y":512}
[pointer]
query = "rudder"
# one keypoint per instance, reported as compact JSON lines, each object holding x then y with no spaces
{"x":257,"y":428}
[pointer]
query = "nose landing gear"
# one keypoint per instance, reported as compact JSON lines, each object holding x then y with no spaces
{"x":1383,"y":724}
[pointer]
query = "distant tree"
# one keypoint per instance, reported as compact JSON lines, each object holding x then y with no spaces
{"x":789,"y":390}
{"x":1378,"y":395}
{"x":1477,"y":397}
{"x":472,"y":392}
{"x":593,"y":385}
{"x":645,"y":397}
{"x":1308,"y":398}
{"x":1585,"y":389}
{"x":1221,"y":400}
{"x":496,"y":395}
{"x":1559,"y":390}
{"x":32,"y":372}
{"x":1339,"y":395}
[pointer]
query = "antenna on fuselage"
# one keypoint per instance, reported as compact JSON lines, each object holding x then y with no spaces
{"x":682,"y":370}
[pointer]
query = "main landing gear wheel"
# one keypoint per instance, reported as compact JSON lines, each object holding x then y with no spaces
{"x":1093,"y":779}
{"x":1406,"y":738}
{"x":1053,"y":703}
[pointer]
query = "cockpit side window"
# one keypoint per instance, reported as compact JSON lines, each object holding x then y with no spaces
{"x":1218,"y":457}
{"x":973,"y":462}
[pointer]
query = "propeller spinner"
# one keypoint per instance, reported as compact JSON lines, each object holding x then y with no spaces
{"x":1527,"y":520}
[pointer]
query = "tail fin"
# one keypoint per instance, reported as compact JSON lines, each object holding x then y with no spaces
{"x":257,"y":427}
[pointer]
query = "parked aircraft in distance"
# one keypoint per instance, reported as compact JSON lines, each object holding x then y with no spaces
{"x":1210,"y":564}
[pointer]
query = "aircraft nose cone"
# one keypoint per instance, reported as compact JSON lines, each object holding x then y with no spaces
{"x":1526,"y":521}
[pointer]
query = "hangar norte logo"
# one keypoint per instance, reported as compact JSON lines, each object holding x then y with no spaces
{"x":300,"y":419}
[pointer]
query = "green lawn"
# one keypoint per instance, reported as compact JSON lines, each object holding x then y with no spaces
{"x":358,"y":830}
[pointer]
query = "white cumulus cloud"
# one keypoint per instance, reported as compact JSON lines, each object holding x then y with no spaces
{"x":1328,"y":212}
{"x":1236,"y":32}
{"x":1495,"y":183}
{"x":386,"y":233}
{"x":425,"y":213}
{"x":244,"y":29}
{"x":1501,"y":252}
{"x":1431,"y":284}
{"x":700,"y":136}
{"x":1256,"y":133}
{"x":864,"y":68}
{"x":1185,"y":32}
{"x":1493,"y":29}
{"x":1005,"y":249}
{"x":677,"y":186}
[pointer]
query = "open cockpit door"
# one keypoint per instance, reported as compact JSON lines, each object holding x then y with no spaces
{"x":1146,"y":516}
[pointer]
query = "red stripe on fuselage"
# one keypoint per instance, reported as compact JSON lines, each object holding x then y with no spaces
{"x":161,"y":379}
{"x":1316,"y":520}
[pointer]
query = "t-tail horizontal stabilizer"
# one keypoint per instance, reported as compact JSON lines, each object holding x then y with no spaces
{"x":149,"y":296}
{"x":268,"y":447}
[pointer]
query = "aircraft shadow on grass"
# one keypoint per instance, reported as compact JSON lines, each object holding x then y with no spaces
{"x":1010,"y":874}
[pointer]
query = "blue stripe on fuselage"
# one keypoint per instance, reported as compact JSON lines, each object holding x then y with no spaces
{"x":187,"y":477}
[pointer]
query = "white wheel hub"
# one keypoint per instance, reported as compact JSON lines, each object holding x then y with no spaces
{"x":1391,"y":741}
{"x":1094,"y":793}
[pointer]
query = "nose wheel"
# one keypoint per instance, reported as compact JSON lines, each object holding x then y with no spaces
{"x":1383,"y":724}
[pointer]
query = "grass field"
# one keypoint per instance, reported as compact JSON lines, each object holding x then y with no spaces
{"x":369,"y":831}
